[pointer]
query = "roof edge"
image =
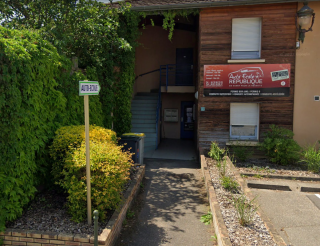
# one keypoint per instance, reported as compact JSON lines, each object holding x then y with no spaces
{"x":211,"y":4}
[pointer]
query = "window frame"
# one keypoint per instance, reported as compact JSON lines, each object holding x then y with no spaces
{"x":246,"y":56}
{"x":239,"y":137}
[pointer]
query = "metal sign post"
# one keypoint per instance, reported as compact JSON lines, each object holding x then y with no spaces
{"x":87,"y":88}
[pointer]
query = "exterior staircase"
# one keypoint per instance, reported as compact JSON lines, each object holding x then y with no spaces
{"x":144,"y":113}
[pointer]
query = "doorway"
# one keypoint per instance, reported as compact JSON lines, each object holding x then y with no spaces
{"x":184,"y":69}
{"x":187,"y":120}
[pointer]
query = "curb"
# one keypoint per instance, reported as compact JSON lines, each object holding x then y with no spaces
{"x":268,"y":186}
{"x":283,"y":177}
{"x":108,"y":236}
{"x":277,"y":238}
{"x":219,"y":225}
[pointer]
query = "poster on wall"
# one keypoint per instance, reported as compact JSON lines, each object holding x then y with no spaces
{"x":255,"y":80}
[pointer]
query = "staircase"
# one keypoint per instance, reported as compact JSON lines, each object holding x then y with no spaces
{"x":144,"y":111}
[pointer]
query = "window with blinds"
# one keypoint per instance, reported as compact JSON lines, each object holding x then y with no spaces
{"x":246,"y":38}
{"x":244,"y":121}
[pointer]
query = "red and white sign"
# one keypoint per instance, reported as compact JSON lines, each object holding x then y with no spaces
{"x":247,"y":80}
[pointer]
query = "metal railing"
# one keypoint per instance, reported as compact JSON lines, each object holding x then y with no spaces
{"x":176,"y":75}
{"x":158,"y":111}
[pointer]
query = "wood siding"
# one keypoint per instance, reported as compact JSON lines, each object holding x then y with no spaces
{"x":278,"y":36}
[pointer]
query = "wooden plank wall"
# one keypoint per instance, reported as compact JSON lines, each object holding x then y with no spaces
{"x":277,"y":46}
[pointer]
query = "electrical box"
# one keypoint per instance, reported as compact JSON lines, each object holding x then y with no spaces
{"x":171,"y":115}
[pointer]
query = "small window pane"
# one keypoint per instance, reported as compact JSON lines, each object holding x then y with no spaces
{"x":243,"y":131}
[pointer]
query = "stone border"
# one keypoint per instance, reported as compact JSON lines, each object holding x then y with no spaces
{"x":277,"y":238}
{"x":219,"y":225}
{"x":108,"y":236}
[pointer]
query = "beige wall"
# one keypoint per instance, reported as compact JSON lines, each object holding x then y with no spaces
{"x":155,"y":49}
{"x":306,"y":120}
{"x":171,"y":101}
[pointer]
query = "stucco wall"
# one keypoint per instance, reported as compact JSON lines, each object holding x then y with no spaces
{"x":306,"y":120}
{"x":155,"y":49}
{"x":172,"y":101}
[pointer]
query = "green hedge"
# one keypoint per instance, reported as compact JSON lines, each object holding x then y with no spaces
{"x":37,"y":95}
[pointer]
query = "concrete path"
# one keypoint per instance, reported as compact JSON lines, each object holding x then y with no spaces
{"x":168,"y":210}
{"x":294,"y":214}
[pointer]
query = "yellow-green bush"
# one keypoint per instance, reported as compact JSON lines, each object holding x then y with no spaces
{"x":70,"y":137}
{"x":110,"y":169}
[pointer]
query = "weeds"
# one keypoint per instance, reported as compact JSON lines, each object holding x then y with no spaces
{"x":216,"y":152}
{"x":214,"y":238}
{"x":242,"y":152}
{"x":245,"y":209}
{"x":258,"y":176}
{"x":130,"y":214}
{"x":207,"y":218}
{"x":243,"y":176}
{"x":312,"y":157}
{"x":229,"y":183}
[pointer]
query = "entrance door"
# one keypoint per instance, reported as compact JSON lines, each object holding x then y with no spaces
{"x":184,"y":69}
{"x":187,"y":121}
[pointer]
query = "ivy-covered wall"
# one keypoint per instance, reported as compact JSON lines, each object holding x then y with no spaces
{"x":39,"y":93}
{"x":35,"y":100}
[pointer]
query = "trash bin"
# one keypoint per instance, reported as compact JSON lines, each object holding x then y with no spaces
{"x":135,"y":141}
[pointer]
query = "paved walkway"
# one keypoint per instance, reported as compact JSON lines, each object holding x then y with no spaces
{"x":175,"y":149}
{"x":168,"y":210}
{"x":294,"y":214}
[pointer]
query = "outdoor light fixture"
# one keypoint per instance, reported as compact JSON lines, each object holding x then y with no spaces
{"x":304,"y":17}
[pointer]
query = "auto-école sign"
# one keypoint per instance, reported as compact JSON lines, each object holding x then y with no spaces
{"x":262,"y":80}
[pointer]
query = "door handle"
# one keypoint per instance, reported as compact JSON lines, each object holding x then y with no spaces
{"x":181,"y":119}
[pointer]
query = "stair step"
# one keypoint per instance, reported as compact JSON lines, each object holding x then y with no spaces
{"x":146,"y":125}
{"x":149,"y":135}
{"x":143,"y":121}
{"x":151,"y":101}
{"x":143,"y":129}
{"x":143,"y":108}
{"x":144,"y":104}
{"x":140,"y":112}
{"x":147,"y":94}
{"x":149,"y":148}
{"x":144,"y":117}
{"x":149,"y":141}
{"x":149,"y":98}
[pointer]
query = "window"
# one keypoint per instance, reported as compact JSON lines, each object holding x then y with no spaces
{"x":244,"y":121}
{"x":246,"y":38}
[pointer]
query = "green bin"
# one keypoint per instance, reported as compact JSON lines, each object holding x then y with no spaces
{"x":135,"y":141}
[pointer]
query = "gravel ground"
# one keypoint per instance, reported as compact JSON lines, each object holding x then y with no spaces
{"x":47,"y":213}
{"x":264,"y":167}
{"x":254,"y":234}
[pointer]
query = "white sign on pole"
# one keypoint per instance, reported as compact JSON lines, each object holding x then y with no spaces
{"x":88,"y":88}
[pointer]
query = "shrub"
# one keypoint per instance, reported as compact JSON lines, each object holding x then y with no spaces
{"x":68,"y":138}
{"x":280,"y":147}
{"x":216,"y":152}
{"x":245,"y":209}
{"x":312,"y":157}
{"x":109,"y":168}
{"x":242,"y":152}
{"x":229,"y":183}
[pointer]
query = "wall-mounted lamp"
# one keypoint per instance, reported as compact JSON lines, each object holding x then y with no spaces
{"x":304,"y":17}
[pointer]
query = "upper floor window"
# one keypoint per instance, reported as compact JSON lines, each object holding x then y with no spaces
{"x":246,"y":38}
